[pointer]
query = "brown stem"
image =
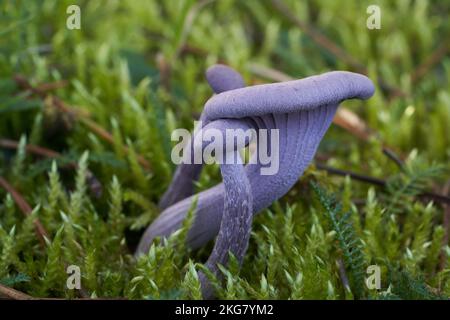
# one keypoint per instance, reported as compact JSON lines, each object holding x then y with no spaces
{"x":77,"y":114}
{"x":394,"y":157}
{"x":93,"y":183}
{"x":379,"y":182}
{"x":52,"y":85}
{"x":41,"y":89}
{"x":105,"y":135}
{"x":26,"y":209}
{"x":13,"y":293}
{"x":30,"y":148}
{"x":430,"y":62}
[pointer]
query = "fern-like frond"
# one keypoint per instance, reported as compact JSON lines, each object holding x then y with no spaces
{"x":413,"y":180}
{"x":349,"y":243}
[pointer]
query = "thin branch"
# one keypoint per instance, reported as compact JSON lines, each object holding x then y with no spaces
{"x":39,"y":228}
{"x":394,"y":157}
{"x":351,"y":122}
{"x":94,"y":184}
{"x":33,"y":149}
{"x":353,"y":175}
{"x":82,"y":116}
{"x":105,"y":135}
{"x":26,"y":210}
{"x":379,"y":182}
{"x":430,"y":62}
{"x":50,"y":86}
{"x":14,"y":294}
{"x":42,"y":89}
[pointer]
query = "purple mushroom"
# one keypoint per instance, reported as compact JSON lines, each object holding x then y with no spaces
{"x":301,"y":110}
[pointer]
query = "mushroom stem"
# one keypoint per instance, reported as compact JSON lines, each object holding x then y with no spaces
{"x":235,"y":227}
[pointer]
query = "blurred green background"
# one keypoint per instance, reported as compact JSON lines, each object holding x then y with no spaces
{"x":135,"y":71}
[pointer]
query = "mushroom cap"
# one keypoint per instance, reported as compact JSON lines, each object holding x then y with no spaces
{"x":222,"y":78}
{"x":285,"y":97}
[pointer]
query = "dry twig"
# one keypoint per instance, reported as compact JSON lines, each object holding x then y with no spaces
{"x":13,"y":293}
{"x":25,"y":208}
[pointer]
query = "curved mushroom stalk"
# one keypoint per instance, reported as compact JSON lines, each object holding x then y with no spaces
{"x":235,"y":227}
{"x":301,"y":111}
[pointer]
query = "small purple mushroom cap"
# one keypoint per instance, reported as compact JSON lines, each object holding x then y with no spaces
{"x":222,"y":78}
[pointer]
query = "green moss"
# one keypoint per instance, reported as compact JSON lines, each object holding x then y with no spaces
{"x":136,"y":68}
